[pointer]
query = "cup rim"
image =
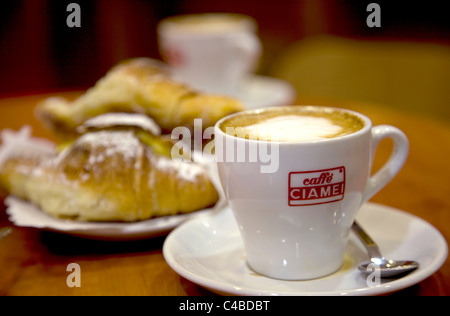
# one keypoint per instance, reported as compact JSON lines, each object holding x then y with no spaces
{"x":367,"y":124}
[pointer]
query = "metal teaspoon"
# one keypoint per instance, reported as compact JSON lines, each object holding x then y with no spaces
{"x":387,"y":268}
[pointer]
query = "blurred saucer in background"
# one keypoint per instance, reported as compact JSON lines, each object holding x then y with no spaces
{"x":261,"y":91}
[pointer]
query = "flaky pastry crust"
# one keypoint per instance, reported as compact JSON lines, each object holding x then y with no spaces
{"x":139,"y":85}
{"x":110,"y":174}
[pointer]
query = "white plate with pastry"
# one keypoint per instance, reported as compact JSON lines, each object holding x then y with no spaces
{"x":112,"y":175}
{"x":209,"y":252}
{"x":108,"y":184}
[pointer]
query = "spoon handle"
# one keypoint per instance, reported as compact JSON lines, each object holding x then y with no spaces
{"x":371,"y":246}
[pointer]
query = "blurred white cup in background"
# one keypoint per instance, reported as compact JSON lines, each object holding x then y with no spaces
{"x":211,"y":52}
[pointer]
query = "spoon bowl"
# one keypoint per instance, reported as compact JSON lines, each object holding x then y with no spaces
{"x":386,"y":267}
{"x":389,"y":268}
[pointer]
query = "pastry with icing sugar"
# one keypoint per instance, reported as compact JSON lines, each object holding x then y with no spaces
{"x":118,"y":169}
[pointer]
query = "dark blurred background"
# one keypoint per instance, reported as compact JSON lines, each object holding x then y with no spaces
{"x":39,"y":52}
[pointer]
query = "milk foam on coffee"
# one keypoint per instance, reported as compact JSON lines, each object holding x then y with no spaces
{"x":292,"y":124}
{"x":293,"y":128}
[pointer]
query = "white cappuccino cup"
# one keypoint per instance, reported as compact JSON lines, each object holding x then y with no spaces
{"x":211,"y":52}
{"x":295,"y":178}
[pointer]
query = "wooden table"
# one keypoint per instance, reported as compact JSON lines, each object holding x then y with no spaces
{"x":33,"y":262}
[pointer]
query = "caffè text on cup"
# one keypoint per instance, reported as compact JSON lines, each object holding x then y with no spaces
{"x":316,"y":186}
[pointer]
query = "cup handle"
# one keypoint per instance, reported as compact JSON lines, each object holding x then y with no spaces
{"x":395,"y":162}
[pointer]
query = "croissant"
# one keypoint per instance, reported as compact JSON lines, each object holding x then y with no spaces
{"x":111,"y":173}
{"x":139,"y":85}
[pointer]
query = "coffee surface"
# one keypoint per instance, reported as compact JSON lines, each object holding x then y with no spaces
{"x":294,"y":124}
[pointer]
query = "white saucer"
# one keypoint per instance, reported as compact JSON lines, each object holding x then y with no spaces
{"x":261,"y":91}
{"x":24,"y":214}
{"x":208,"y":251}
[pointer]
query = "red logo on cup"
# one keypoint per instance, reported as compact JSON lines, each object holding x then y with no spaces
{"x":316,"y":187}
